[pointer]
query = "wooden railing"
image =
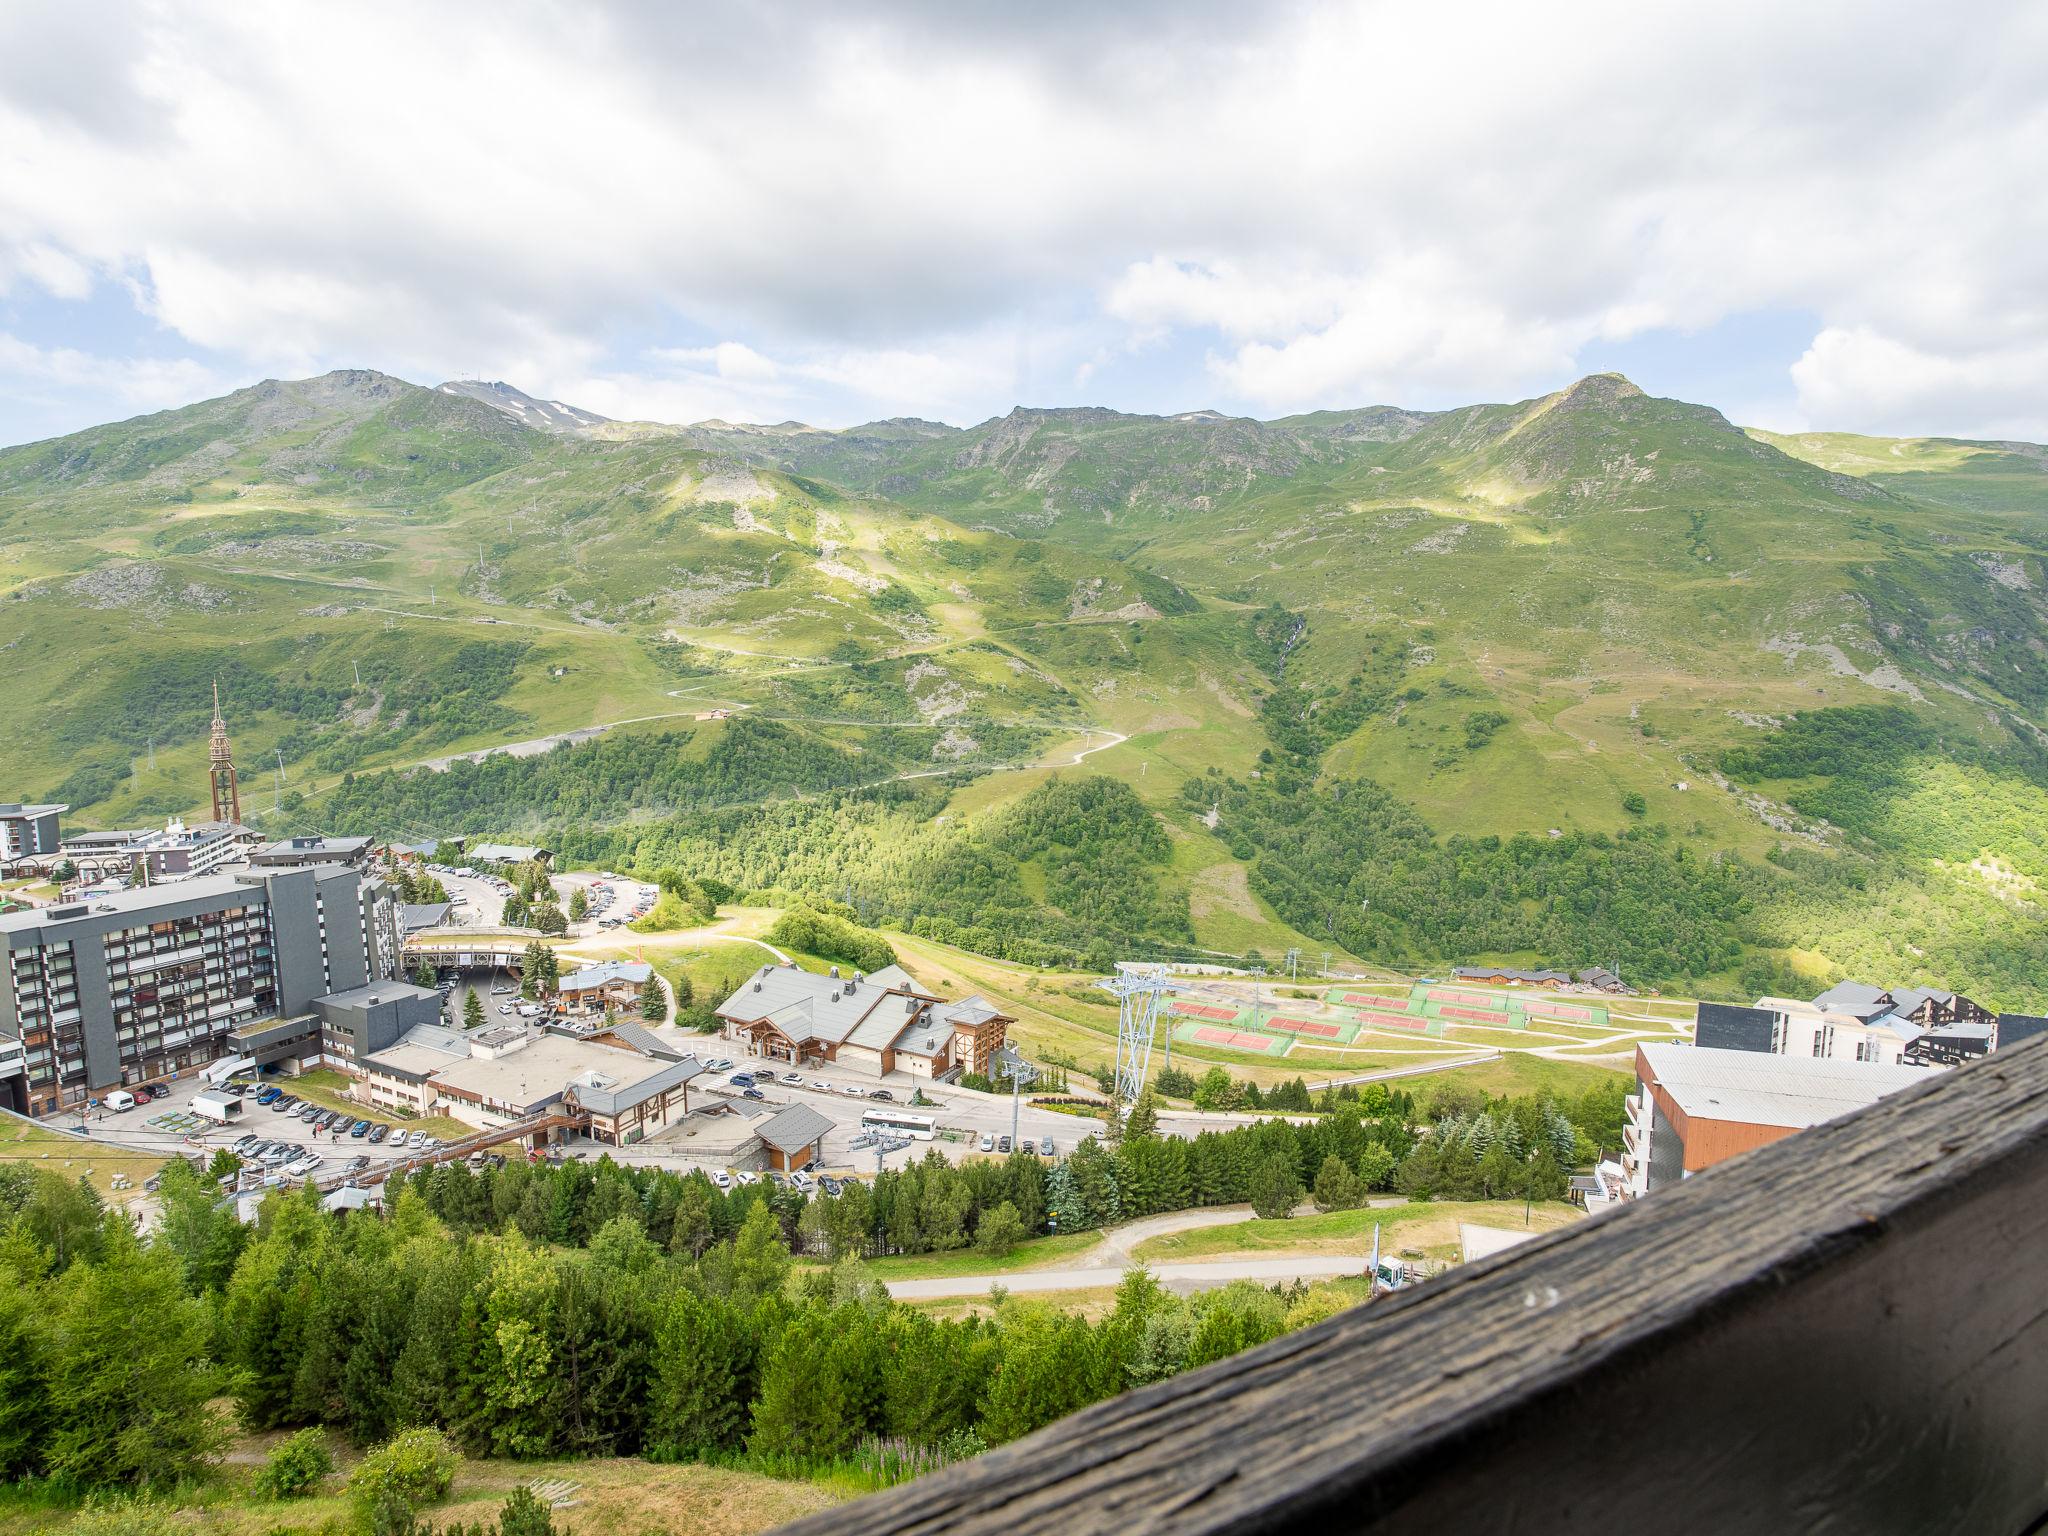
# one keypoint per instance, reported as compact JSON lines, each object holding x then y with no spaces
{"x":1846,"y":1331}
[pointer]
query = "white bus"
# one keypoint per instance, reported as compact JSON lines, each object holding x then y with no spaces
{"x":899,"y":1122}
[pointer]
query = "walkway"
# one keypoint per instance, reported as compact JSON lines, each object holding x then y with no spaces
{"x":1109,"y":1260}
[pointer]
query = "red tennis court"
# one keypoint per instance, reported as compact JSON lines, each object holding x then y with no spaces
{"x":1460,"y":995}
{"x":1477,"y":1015}
{"x":1200,"y":1011}
{"x":1393,"y":1021}
{"x":1234,"y":1039}
{"x":1306,"y":1027}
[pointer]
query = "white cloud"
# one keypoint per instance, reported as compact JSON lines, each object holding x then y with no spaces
{"x":1891,"y":386}
{"x":42,"y":375}
{"x":932,"y":206}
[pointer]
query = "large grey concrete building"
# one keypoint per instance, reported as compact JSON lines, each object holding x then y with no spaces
{"x":27,"y":831}
{"x":141,"y":984}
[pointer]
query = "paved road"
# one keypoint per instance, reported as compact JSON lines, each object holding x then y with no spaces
{"x":1175,"y":1277}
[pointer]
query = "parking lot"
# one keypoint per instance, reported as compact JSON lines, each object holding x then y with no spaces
{"x":477,"y":898}
{"x":167,"y":1124}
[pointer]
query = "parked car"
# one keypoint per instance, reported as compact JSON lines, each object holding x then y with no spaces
{"x":747,"y":1178}
{"x":800,"y":1182}
{"x":741,"y":1079}
{"x":360,"y":1129}
{"x":1002,"y":1144}
{"x":883,"y":1094}
{"x":752,"y":1093}
{"x":357,"y":1163}
{"x":378,"y":1132}
{"x":988,"y":1141}
{"x":721,"y":1181}
{"x":270,"y":1095}
{"x":794,"y":1079}
{"x":780,"y":1181}
{"x":720,"y":1065}
{"x":818,"y":1083}
{"x":830,"y":1185}
{"x":1045,"y":1146}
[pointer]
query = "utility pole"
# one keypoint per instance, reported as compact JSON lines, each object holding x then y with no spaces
{"x":358,"y":672}
{"x":1294,"y":965}
{"x":1019,"y":1072}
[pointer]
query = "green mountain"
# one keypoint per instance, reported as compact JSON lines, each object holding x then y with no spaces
{"x":1593,"y":677}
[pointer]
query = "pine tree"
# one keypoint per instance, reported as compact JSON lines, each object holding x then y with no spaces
{"x":472,"y":1011}
{"x":1337,"y":1187}
{"x":1068,"y":1211}
{"x":653,"y":1005}
{"x":129,"y":1373}
{"x":1144,"y":1116}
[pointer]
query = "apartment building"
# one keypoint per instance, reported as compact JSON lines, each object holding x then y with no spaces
{"x":28,"y":831}
{"x":144,"y":983}
{"x":1695,"y":1105}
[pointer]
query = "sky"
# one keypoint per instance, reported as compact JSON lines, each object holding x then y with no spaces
{"x":1821,"y":216}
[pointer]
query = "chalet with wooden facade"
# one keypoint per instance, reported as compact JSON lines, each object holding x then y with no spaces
{"x":877,"y":1025}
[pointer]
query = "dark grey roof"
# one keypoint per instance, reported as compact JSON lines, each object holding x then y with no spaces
{"x":610,"y":1101}
{"x":805,"y":1006}
{"x":415,"y":915}
{"x":794,"y":1128}
{"x":644,"y":1040}
{"x":1856,"y":997}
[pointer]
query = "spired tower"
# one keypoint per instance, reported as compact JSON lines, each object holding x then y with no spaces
{"x":227,"y":799}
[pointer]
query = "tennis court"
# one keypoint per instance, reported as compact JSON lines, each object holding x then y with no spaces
{"x":1215,"y":1035}
{"x":1564,"y":1013}
{"x":1343,"y":1032}
{"x":1412,"y":1023}
{"x":1477,"y":1015}
{"x":1206,"y":1011}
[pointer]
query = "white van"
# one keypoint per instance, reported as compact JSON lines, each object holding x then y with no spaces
{"x":120,"y":1099}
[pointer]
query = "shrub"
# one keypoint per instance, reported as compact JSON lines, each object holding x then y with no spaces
{"x":125,"y":1516}
{"x":295,"y":1467}
{"x":404,"y":1472}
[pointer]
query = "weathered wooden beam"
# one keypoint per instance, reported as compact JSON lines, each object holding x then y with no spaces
{"x":1846,"y":1331}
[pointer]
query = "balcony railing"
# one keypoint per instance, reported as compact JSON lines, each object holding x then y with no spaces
{"x":1843,"y":1331}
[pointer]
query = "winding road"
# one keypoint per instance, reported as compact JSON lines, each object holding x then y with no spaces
{"x":1108,"y":1261}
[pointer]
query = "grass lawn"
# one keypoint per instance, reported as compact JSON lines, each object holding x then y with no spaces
{"x":1033,"y":1253}
{"x":616,"y":1494}
{"x":1420,"y":1229}
{"x":1521,"y":1073}
{"x":23,"y":1141}
{"x":328,"y":1088}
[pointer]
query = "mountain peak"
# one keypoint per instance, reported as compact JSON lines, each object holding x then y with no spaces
{"x":547,"y":415}
{"x":1600,"y":389}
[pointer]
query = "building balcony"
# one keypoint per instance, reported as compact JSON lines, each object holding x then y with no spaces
{"x":1816,"y":1315}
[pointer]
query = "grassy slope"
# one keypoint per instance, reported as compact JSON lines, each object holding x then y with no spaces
{"x":615,"y":1494}
{"x":1421,"y":1229}
{"x":26,"y":1142}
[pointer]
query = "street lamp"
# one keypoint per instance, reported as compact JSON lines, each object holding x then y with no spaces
{"x":1019,"y":1072}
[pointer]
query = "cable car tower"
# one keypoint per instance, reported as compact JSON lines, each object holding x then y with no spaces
{"x":1139,"y":989}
